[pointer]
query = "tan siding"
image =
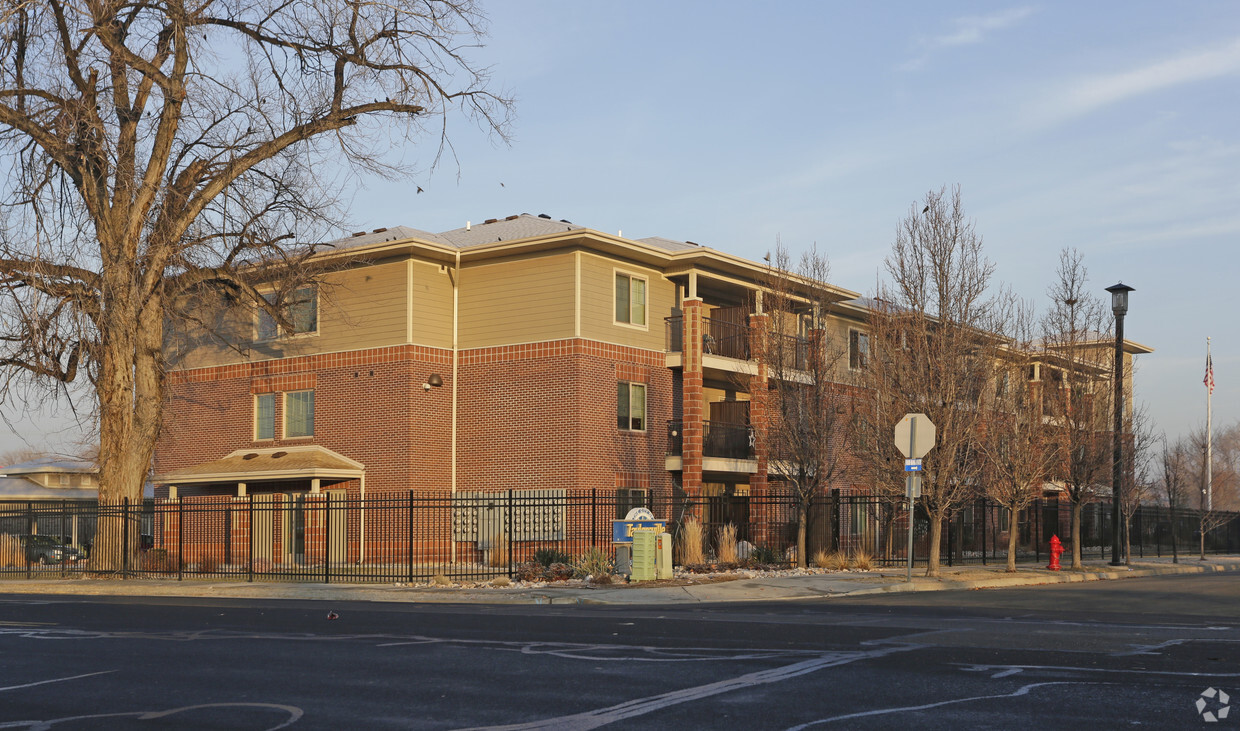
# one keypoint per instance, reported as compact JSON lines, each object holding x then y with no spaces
{"x":432,"y":305}
{"x":598,"y":314}
{"x":517,"y":301}
{"x":359,"y":308}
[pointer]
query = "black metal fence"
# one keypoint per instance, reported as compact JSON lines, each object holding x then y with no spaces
{"x":414,"y":536}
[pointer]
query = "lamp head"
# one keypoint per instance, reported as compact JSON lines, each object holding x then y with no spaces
{"x":1119,"y":298}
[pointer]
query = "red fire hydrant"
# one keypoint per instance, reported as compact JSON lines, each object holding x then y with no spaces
{"x":1056,"y":552}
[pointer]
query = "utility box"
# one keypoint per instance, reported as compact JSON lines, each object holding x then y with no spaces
{"x":645,"y":555}
{"x":624,"y":559}
{"x":663,"y":556}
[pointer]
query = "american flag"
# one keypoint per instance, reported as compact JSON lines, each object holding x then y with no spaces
{"x":1209,"y":379}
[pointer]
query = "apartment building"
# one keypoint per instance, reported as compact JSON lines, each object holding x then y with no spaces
{"x":524,"y":353}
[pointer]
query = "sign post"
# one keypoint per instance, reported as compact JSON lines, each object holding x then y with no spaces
{"x":915,"y":436}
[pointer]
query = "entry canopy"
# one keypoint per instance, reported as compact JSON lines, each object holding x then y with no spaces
{"x":253,"y":465}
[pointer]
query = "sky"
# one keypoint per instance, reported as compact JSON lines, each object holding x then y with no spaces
{"x":1109,"y":127}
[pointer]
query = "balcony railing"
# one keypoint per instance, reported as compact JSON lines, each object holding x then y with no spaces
{"x":731,"y":340}
{"x":719,"y":439}
{"x":719,"y":337}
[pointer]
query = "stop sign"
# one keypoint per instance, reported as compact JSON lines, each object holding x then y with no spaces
{"x":914,"y":435}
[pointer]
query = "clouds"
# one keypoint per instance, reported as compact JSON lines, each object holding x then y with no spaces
{"x":1090,"y":93}
{"x":967,"y":30}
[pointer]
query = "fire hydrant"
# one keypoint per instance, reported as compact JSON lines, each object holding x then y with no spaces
{"x":1056,"y":552}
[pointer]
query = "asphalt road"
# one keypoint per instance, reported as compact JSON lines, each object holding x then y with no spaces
{"x":1138,"y":652}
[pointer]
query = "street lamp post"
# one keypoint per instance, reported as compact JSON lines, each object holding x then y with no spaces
{"x":1119,"y":306}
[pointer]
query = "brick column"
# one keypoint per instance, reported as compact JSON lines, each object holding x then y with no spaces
{"x":759,"y":421}
{"x":693,"y":400}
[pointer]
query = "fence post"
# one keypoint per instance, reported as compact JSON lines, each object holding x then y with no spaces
{"x":30,"y":528}
{"x":508,"y":532}
{"x":249,"y":531}
{"x":327,"y":538}
{"x":409,"y":534}
{"x":124,"y":537}
{"x":594,"y":517}
{"x":180,"y":538}
{"x":834,"y":520}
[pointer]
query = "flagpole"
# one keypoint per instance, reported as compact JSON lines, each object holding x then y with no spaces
{"x":1209,"y":430}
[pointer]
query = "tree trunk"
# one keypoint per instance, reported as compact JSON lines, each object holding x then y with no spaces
{"x":936,"y":535}
{"x":1076,"y":535}
{"x":1175,"y":551}
{"x":1011,"y":551}
{"x":802,"y":519}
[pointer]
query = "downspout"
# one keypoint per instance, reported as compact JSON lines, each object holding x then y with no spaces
{"x":456,"y":286}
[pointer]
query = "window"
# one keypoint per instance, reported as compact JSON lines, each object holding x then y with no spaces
{"x":630,"y":299}
{"x":858,"y":349}
{"x":301,"y":307}
{"x":631,"y":406}
{"x":265,"y":416}
{"x":299,"y":414}
{"x":628,"y":498}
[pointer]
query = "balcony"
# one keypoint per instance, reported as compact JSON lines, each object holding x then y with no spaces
{"x":726,"y":347}
{"x":725,"y":447}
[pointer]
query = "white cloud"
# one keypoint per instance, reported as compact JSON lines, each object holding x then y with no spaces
{"x":973,"y":28}
{"x":968,"y":30}
{"x":1094,"y":92}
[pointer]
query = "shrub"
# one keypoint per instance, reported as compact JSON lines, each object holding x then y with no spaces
{"x":596,"y":563}
{"x":835,"y":561}
{"x":157,"y":560}
{"x":727,"y":544}
{"x":534,"y":571}
{"x":548,"y":556}
{"x":691,"y":542}
{"x":862,"y":561}
{"x":766,"y":555}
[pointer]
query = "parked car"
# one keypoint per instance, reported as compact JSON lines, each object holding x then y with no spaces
{"x":47,"y":549}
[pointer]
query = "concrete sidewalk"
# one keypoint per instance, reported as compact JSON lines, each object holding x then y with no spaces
{"x":688,"y":589}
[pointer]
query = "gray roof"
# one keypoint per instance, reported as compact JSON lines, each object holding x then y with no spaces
{"x":669,"y":244}
{"x":49,"y":464}
{"x":19,"y":488}
{"x":490,"y":231}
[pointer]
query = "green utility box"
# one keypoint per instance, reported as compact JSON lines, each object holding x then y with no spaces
{"x":645,"y":554}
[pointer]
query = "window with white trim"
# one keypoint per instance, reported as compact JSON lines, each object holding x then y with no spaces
{"x":630,"y":299}
{"x":301,"y":308}
{"x":631,"y":406}
{"x":264,"y":416}
{"x":298,"y":414}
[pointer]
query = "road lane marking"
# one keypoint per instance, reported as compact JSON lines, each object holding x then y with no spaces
{"x":1023,"y":690}
{"x":56,"y":680}
{"x":642,"y":706}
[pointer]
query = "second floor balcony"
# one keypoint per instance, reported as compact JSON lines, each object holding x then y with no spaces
{"x":724,"y":341}
{"x":719,"y":439}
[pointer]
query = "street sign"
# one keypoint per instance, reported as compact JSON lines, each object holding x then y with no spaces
{"x":912,"y":465}
{"x":915,"y":435}
{"x":913,"y":487}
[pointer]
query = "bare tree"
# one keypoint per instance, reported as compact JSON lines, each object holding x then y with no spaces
{"x":1076,"y":387}
{"x":934,"y":347}
{"x":809,"y":405}
{"x":1138,"y":486}
{"x":1018,"y":442}
{"x":1210,"y":516}
{"x":1175,"y":484}
{"x":160,"y":154}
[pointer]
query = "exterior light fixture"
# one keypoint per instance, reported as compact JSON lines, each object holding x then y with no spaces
{"x":1119,"y":306}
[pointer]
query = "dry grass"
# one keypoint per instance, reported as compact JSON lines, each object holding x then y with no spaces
{"x":835,"y":561}
{"x":11,"y":554}
{"x":691,"y":552}
{"x":498,"y":555}
{"x":208,"y":563}
{"x":727,"y":544}
{"x":862,"y":561}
